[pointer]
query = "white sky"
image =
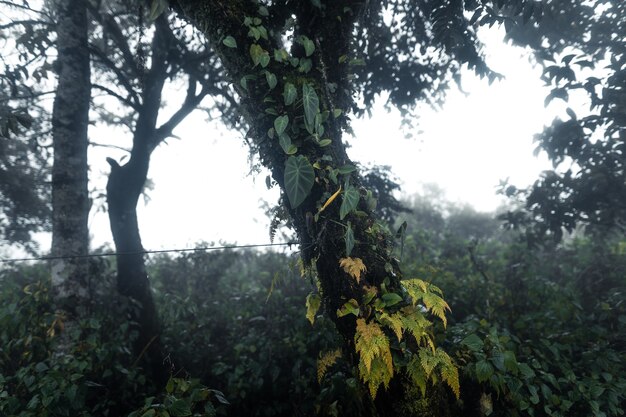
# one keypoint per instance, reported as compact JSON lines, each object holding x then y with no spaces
{"x":203,"y":193}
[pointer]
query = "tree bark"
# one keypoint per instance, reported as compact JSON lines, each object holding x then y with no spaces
{"x":124,"y":186}
{"x":70,"y":197}
{"x":321,"y":241}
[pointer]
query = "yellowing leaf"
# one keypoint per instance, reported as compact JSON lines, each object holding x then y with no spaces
{"x":327,"y":360}
{"x":353,"y":267}
{"x":313,"y":302}
{"x":330,"y":200}
{"x":376,"y":364}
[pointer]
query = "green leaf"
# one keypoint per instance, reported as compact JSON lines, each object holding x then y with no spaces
{"x":289,"y":94}
{"x":350,"y":307}
{"x":256,"y":52}
{"x":337,"y":113}
{"x":325,"y":142}
{"x":305,"y":65}
{"x":280,"y":124}
{"x":280,"y":55}
{"x":316,"y":3}
{"x":473,"y":342}
{"x":271,"y":80}
{"x":179,"y":408}
{"x":230,"y":42}
{"x":299,"y":178}
{"x":313,"y":302}
{"x":510,"y":361}
{"x":264,"y":59}
{"x":484,"y":370}
{"x":391,"y":299}
{"x":349,"y":201}
{"x":285,"y":142}
{"x":263,"y":11}
{"x":346,"y":169}
{"x":349,"y":239}
{"x":309,"y":46}
{"x":157,"y":7}
{"x":311,"y":104}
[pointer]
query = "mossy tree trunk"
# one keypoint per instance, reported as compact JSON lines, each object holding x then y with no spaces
{"x":70,"y":197}
{"x":249,"y":40}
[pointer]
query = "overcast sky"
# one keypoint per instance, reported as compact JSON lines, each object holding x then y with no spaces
{"x":202,"y":191}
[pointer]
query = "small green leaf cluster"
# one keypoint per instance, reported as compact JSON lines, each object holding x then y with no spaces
{"x":182,"y":398}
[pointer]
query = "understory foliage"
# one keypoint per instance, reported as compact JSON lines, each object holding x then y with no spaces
{"x":533,"y":332}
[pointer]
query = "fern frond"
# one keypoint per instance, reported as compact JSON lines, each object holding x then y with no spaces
{"x":449,"y":372}
{"x":313,"y":302}
{"x":379,"y":373}
{"x":327,"y":360}
{"x":353,"y":267}
{"x":394,"y":322}
{"x":417,"y":374}
{"x":376,"y":363}
{"x":436,"y":305}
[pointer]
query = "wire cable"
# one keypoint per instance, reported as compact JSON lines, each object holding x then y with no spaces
{"x":146,"y":252}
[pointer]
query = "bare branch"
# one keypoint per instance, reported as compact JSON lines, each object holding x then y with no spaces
{"x":190,"y":104}
{"x":119,"y":74}
{"x":112,"y":93}
{"x":121,"y":42}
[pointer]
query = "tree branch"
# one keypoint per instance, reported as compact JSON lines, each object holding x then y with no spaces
{"x":190,"y":104}
{"x":112,"y":93}
{"x":132,"y":94}
{"x":108,"y":22}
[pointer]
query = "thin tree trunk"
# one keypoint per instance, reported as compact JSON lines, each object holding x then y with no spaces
{"x":124,"y":187}
{"x":70,"y":197}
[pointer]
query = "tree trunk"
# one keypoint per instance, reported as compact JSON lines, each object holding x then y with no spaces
{"x":70,"y":197}
{"x":322,"y":233}
{"x":124,"y":187}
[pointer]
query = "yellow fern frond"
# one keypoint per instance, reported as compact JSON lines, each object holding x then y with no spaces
{"x":379,"y":373}
{"x":313,"y":302}
{"x":417,"y":374}
{"x":353,"y":267}
{"x":449,"y":372}
{"x":394,"y":322}
{"x":428,"y":360}
{"x":436,"y":305}
{"x":327,"y":360}
{"x":376,"y":363}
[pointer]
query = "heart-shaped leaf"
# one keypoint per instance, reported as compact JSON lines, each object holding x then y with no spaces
{"x":299,"y":178}
{"x":271,"y":80}
{"x":350,"y":201}
{"x":230,"y":42}
{"x":311,"y":104}
{"x":280,"y":124}
{"x":290,"y":94}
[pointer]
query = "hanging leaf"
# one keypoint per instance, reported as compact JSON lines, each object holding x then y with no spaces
{"x":299,"y":178}
{"x":391,"y":299}
{"x":289,"y":94}
{"x":349,"y":239}
{"x":280,"y":124}
{"x":330,"y":199}
{"x":311,"y":104}
{"x":313,"y":302}
{"x":230,"y":42}
{"x":350,"y":201}
{"x":271,"y":80}
{"x":255,"y":53}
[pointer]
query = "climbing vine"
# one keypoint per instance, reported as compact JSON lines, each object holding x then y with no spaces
{"x":293,"y":82}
